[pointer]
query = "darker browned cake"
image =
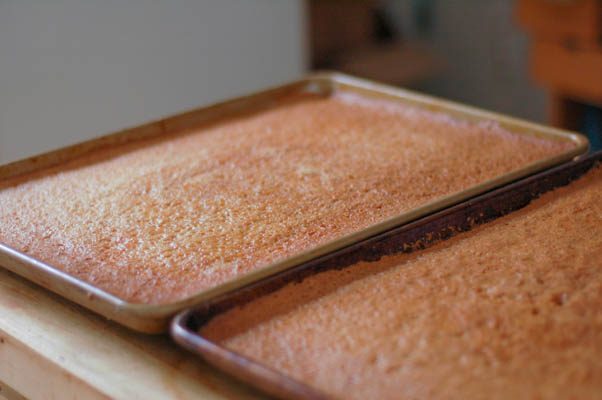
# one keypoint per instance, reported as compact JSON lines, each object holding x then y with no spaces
{"x":160,"y":220}
{"x":511,"y":310}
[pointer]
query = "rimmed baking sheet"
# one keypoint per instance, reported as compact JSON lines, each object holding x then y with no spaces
{"x":153,"y":318}
{"x":416,"y":235}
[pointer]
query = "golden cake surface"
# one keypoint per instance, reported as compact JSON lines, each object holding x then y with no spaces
{"x":512,"y":309}
{"x":159,"y":220}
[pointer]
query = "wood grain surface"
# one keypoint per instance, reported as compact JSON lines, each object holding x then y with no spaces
{"x":53,"y":349}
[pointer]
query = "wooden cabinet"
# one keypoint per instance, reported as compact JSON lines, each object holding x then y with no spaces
{"x":566,"y":59}
{"x":562,"y":20}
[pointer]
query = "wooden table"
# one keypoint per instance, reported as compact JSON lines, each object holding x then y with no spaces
{"x":53,"y":349}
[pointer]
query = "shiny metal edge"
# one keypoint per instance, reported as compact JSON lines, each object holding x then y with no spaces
{"x":155,"y":318}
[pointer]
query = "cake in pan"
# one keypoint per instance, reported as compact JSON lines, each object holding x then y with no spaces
{"x":161,"y":219}
{"x":511,"y":309}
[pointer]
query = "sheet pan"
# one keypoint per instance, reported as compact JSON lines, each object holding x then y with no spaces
{"x":408,"y":238}
{"x":155,"y":318}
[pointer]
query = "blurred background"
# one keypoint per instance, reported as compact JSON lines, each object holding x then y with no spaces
{"x":71,"y":70}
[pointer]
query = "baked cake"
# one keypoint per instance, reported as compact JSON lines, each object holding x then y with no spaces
{"x":158,"y":220}
{"x":512,"y":309}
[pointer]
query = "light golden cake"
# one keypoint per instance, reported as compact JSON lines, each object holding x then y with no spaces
{"x":510,"y":310}
{"x":159,"y":220}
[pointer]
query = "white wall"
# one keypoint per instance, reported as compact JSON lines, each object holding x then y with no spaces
{"x":75,"y":69}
